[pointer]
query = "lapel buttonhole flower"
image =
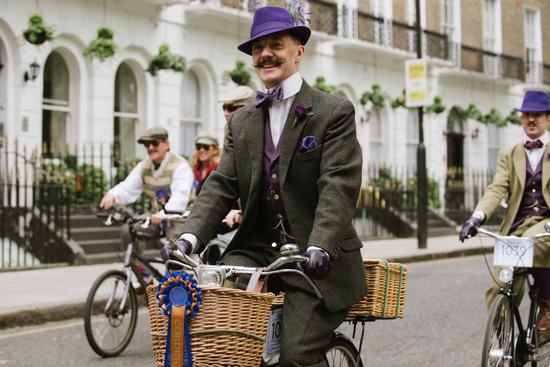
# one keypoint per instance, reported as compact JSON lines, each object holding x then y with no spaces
{"x":300,"y":112}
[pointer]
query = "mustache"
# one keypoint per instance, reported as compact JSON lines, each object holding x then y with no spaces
{"x":276,"y":61}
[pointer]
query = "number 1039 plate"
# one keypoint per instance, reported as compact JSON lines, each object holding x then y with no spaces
{"x":514,"y":251}
{"x":272,"y":338}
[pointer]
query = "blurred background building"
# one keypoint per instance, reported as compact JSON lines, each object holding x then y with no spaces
{"x":59,"y":100}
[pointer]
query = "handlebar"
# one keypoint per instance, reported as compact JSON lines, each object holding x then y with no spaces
{"x":496,"y":236}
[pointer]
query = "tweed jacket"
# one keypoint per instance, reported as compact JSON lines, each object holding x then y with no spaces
{"x":509,"y":184}
{"x":319,"y":187}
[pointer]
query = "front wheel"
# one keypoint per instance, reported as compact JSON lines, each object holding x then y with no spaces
{"x":110,"y":314}
{"x":498,"y":345}
{"x":341,"y":352}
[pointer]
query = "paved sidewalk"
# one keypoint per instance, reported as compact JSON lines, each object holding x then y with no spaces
{"x":52,"y":294}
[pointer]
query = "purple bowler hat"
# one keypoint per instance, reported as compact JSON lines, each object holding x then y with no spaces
{"x":272,"y":19}
{"x":534,"y":101}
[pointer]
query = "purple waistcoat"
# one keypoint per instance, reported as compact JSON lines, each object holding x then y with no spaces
{"x":272,"y":222}
{"x":532,"y":203}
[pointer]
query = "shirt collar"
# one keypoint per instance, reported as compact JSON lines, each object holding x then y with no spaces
{"x":545,"y":138}
{"x":291,"y":85}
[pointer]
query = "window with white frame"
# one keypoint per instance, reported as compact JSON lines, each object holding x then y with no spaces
{"x":55,"y":105}
{"x":375,"y":137}
{"x":191,"y":117}
{"x":126,"y":114}
{"x":491,"y":25}
{"x":493,"y":144}
{"x":448,"y":25}
{"x":412,"y":139}
{"x":382,"y":31}
{"x":347,"y":18}
{"x":533,"y":44}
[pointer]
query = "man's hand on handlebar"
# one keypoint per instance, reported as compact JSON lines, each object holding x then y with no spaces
{"x":469,"y":228}
{"x":318,"y":265}
{"x":108,"y":201}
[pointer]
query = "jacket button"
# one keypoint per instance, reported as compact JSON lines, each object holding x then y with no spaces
{"x":274,"y":176}
{"x":276,"y":196}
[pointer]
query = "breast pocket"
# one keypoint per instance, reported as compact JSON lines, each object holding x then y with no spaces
{"x":309,"y":155}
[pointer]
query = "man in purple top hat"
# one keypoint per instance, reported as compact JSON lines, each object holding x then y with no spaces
{"x":293,"y":160}
{"x":522,"y":179}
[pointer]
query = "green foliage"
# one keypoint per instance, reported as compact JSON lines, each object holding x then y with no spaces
{"x":433,"y":191}
{"x":399,"y":101}
{"x":376,"y":96}
{"x":514,"y":118}
{"x":103,"y":47}
{"x":494,"y":117}
{"x":323,"y":86}
{"x":240,"y":75}
{"x":472,"y":112}
{"x":436,"y":107}
{"x":166,"y":60}
{"x":37,"y":33}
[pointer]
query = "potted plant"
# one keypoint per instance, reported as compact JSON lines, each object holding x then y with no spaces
{"x":376,"y":96}
{"x":494,"y":117}
{"x":37,"y":33}
{"x":240,"y":75}
{"x":513,"y":118}
{"x":399,"y":101}
{"x":166,"y":60}
{"x":436,"y":107}
{"x":323,"y":86}
{"x":103,"y":47}
{"x":472,"y":112}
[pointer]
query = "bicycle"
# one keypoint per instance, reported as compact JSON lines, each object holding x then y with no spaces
{"x":111,"y":309}
{"x":501,"y":347}
{"x":341,"y":351}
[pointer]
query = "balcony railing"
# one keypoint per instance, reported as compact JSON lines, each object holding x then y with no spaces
{"x":483,"y":61}
{"x":437,"y":45}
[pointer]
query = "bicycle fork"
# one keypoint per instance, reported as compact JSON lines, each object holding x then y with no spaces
{"x":128,"y":272}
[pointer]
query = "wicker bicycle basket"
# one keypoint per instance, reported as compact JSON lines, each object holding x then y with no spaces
{"x":386,"y":288}
{"x":228,"y":330}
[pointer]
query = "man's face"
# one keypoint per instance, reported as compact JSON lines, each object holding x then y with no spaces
{"x":534,"y":123}
{"x":276,"y":57}
{"x":230,"y":107}
{"x":157,"y":150}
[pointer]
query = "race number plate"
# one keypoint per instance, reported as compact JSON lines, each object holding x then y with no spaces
{"x":513,"y":251}
{"x":272,"y":338}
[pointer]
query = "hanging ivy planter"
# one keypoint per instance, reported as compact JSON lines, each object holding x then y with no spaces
{"x":513,"y":118}
{"x":376,"y":96}
{"x":240,"y":75}
{"x":436,"y":107}
{"x":38,"y":32}
{"x":494,"y":117}
{"x":103,"y":47}
{"x":399,"y":101}
{"x":166,"y":60}
{"x":472,"y":112}
{"x":323,"y":86}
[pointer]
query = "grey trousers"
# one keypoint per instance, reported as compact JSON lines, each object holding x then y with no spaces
{"x":307,"y":325}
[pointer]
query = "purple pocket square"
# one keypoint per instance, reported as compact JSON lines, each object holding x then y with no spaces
{"x":308,"y":143}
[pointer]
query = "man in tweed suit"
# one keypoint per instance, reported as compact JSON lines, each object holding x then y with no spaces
{"x":522,"y":179}
{"x":294,"y":161}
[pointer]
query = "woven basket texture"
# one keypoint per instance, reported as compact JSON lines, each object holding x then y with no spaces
{"x":221,"y":308}
{"x":386,"y":289}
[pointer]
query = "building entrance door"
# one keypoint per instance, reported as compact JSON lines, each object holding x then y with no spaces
{"x":454,"y":183}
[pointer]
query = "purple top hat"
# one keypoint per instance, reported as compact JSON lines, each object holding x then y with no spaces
{"x":271,"y":19}
{"x":534,"y":101}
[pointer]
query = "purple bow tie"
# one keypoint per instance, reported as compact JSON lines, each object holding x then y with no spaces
{"x":533,"y":144}
{"x":267,"y":99}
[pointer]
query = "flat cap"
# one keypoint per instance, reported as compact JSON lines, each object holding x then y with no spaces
{"x":152,"y":134}
{"x":206,"y":140}
{"x":240,"y":94}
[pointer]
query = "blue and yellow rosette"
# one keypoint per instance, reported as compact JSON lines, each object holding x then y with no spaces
{"x":179,"y":297}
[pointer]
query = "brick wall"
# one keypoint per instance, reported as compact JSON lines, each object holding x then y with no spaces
{"x":433,"y":15}
{"x":472,"y":24}
{"x":399,"y":10}
{"x":364,"y":6}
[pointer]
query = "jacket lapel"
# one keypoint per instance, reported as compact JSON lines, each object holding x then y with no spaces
{"x":293,"y":129}
{"x":254,"y":135}
{"x":545,"y":167}
{"x":519,"y":159}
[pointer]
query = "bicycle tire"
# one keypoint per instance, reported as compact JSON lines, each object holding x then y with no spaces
{"x":498,"y":343}
{"x":341,"y":352}
{"x":109,"y":331}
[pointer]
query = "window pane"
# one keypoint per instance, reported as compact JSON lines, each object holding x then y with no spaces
{"x":125,"y":139}
{"x":125,"y":90}
{"x":56,"y":78}
{"x":54,"y":132}
{"x":191,"y":96}
{"x":188,"y":132}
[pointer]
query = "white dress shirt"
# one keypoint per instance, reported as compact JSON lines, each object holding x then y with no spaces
{"x":278,"y":112}
{"x":131,"y":188}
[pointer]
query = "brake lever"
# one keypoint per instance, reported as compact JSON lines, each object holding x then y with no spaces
{"x":109,"y":220}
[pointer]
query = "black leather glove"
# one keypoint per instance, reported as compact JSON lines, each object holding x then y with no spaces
{"x":319,"y":263}
{"x":469,"y":228}
{"x":165,"y":253}
{"x":184,"y":246}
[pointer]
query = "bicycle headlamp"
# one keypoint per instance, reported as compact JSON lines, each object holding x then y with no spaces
{"x":506,"y":274}
{"x":210,"y":276}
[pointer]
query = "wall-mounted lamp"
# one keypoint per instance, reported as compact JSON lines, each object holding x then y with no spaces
{"x":32,"y":73}
{"x":475,"y":134}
